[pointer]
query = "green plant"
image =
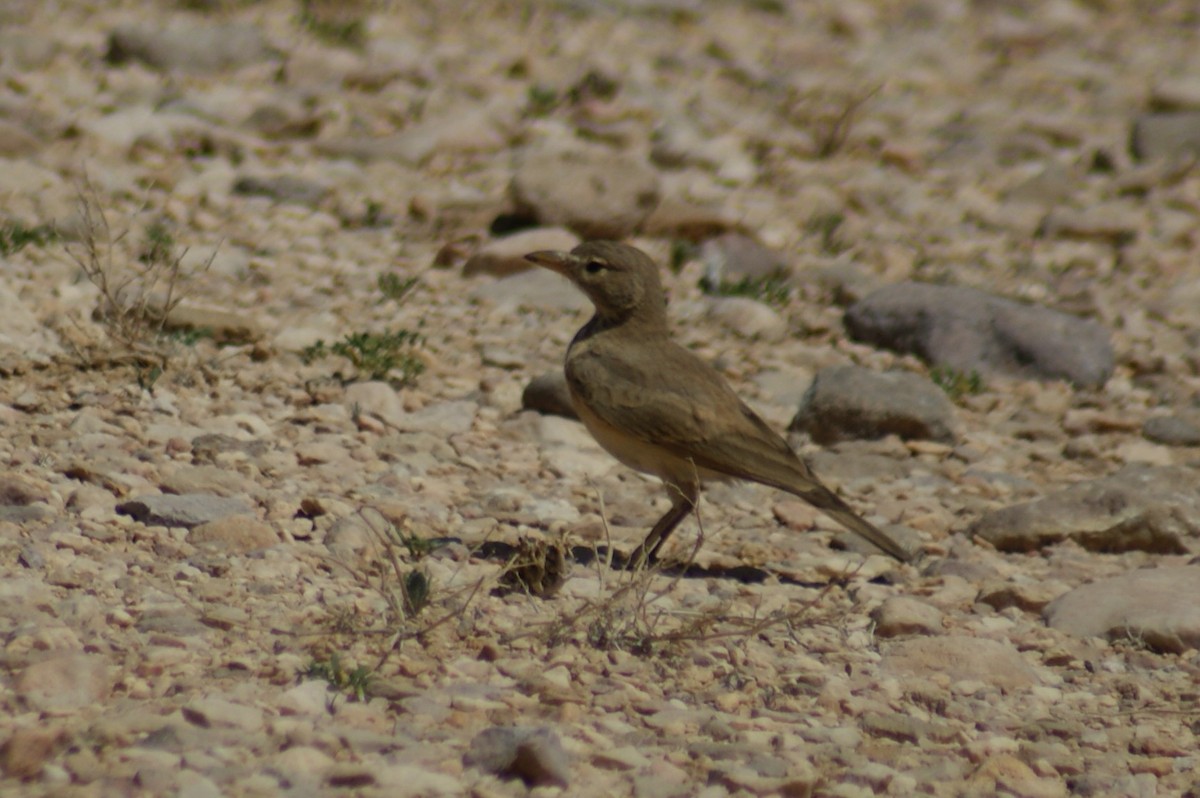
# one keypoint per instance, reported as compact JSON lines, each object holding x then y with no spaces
{"x":331,"y":670}
{"x":772,"y":289}
{"x":541,"y":100}
{"x":955,"y":383}
{"x":379,"y":356}
{"x":826,"y":226}
{"x":140,"y":279}
{"x":375,"y":356}
{"x":395,"y":287}
{"x":15,"y":236}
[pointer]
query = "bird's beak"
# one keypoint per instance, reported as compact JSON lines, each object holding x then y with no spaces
{"x":553,"y":260}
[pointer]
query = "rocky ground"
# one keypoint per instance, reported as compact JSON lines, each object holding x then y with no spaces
{"x":238,"y":562}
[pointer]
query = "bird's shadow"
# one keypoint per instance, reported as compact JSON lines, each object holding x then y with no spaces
{"x":588,"y":555}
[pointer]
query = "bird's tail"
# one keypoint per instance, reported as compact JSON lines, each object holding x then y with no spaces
{"x":832,"y":505}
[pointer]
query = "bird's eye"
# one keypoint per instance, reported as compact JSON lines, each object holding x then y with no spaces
{"x":594,"y":267}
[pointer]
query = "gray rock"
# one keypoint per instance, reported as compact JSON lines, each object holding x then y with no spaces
{"x":1159,"y":606}
{"x":548,"y":393}
{"x":1172,"y":431}
{"x":1166,"y":135}
{"x":967,"y":329}
{"x":282,"y":188}
{"x":189,"y":48}
{"x":594,"y":192}
{"x":1147,"y":508}
{"x":734,"y":257}
{"x":505,"y":256}
{"x":187,"y":510}
{"x":848,"y":402}
{"x":534,"y":755}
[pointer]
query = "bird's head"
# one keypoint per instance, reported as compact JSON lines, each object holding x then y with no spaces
{"x":622,"y":281}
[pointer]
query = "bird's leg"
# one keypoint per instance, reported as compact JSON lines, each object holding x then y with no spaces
{"x":683,"y":501}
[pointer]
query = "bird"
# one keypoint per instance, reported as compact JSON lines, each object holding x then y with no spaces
{"x":660,"y":409}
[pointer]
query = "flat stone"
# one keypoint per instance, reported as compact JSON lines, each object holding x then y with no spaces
{"x":1141,"y":507}
{"x":187,"y":510}
{"x":1160,"y":606}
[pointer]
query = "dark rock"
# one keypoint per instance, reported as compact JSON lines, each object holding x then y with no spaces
{"x":548,"y":394}
{"x":188,"y":510}
{"x":848,"y":402}
{"x":1140,"y":507}
{"x":1171,"y":431}
{"x":1159,"y":606}
{"x":970,"y":330}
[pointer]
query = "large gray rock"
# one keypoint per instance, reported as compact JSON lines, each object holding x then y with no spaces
{"x":970,"y":330}
{"x":851,"y":402}
{"x":1140,"y":507}
{"x":1160,"y":606}
{"x":593,"y":192}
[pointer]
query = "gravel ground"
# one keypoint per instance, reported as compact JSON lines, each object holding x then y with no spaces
{"x":242,"y":554}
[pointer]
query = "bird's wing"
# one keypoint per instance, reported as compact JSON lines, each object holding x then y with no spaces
{"x":677,"y":401}
{"x":684,"y":405}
